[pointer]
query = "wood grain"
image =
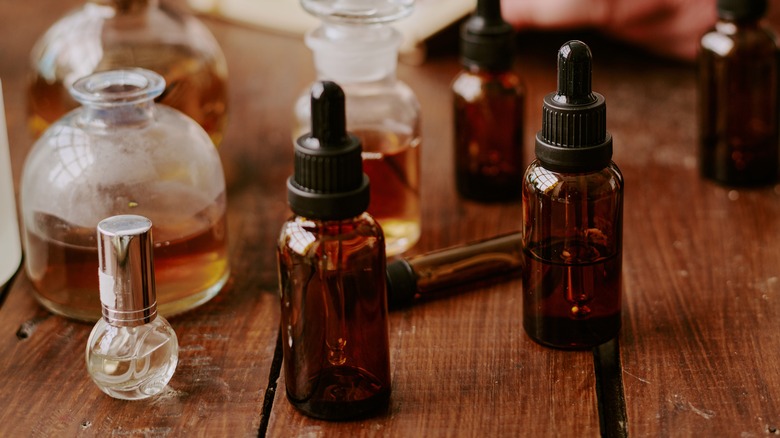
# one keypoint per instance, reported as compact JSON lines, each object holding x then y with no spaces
{"x":699,"y":344}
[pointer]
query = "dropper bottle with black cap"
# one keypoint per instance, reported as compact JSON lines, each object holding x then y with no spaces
{"x":331,"y":256}
{"x":489,"y":101}
{"x":738,"y":97}
{"x":572,"y":216}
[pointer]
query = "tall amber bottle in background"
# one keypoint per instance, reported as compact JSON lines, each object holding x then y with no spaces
{"x":489,"y":100}
{"x":357,"y":47}
{"x":120,"y":153}
{"x":111,"y":34}
{"x":572,"y":216}
{"x":738,"y":97}
{"x":332,"y":274}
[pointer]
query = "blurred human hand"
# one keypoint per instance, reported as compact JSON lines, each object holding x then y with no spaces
{"x":667,"y":27}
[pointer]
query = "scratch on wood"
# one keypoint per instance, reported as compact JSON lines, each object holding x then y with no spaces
{"x":167,"y":395}
{"x":704,"y":413}
{"x":637,"y":377}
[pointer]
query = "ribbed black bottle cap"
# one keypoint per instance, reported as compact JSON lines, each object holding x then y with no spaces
{"x":574,"y":135}
{"x":328,"y":182}
{"x":486,"y":40}
{"x":742,"y":9}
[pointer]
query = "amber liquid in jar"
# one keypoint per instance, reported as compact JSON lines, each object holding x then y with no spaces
{"x":571,"y":294}
{"x":191,"y":86}
{"x":392,"y":163}
{"x":190,"y":263}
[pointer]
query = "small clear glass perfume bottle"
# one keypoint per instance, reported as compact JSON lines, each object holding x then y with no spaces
{"x":332,"y":274}
{"x":132,"y":351}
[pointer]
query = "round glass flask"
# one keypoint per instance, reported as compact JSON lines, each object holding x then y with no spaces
{"x":120,"y":153}
{"x":105,"y":35}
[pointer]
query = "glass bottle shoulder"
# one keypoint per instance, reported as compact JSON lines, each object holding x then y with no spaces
{"x":77,"y":145}
{"x":96,"y":35}
{"x":728,"y":38}
{"x":545,"y":182}
{"x":477,"y":84}
{"x":304,"y":237}
{"x":125,"y":342}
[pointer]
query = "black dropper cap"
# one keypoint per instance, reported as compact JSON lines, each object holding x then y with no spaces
{"x":741,"y":9}
{"x":486,"y":40}
{"x":401,"y":284}
{"x":328,"y":182}
{"x":574,"y":135}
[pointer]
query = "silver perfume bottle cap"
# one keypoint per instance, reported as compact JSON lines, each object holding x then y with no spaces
{"x":126,"y":270}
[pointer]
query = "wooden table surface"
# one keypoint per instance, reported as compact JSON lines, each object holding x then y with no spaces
{"x":699,"y":352}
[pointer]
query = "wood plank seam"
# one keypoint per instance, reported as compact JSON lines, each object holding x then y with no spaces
{"x":609,"y":390}
{"x":270,"y":391}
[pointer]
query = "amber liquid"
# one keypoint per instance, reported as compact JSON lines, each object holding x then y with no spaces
{"x":738,"y":106}
{"x":193,"y":86}
{"x":392,"y":163}
{"x":489,"y":136}
{"x":190,"y":265}
{"x":571,"y":294}
{"x":343,"y":393}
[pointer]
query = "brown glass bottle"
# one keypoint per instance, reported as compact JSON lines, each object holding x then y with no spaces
{"x":572,"y":216}
{"x":738,"y":97}
{"x":110,"y":34}
{"x":489,"y":100}
{"x":334,"y":316}
{"x":332,"y":274}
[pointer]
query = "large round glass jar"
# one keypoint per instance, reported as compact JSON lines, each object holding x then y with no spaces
{"x":121,"y":154}
{"x":112,"y":34}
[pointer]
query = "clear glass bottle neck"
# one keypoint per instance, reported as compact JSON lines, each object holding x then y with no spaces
{"x":118,"y":97}
{"x":354,"y":53}
{"x":99,"y":116}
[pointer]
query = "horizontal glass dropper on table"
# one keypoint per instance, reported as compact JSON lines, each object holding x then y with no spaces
{"x":450,"y":270}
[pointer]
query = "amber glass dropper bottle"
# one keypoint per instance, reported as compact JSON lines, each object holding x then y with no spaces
{"x":489,"y":100}
{"x":332,"y":274}
{"x":738,"y":97}
{"x":572,"y":216}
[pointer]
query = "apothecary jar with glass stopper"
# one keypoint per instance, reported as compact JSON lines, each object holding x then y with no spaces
{"x":120,"y":153}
